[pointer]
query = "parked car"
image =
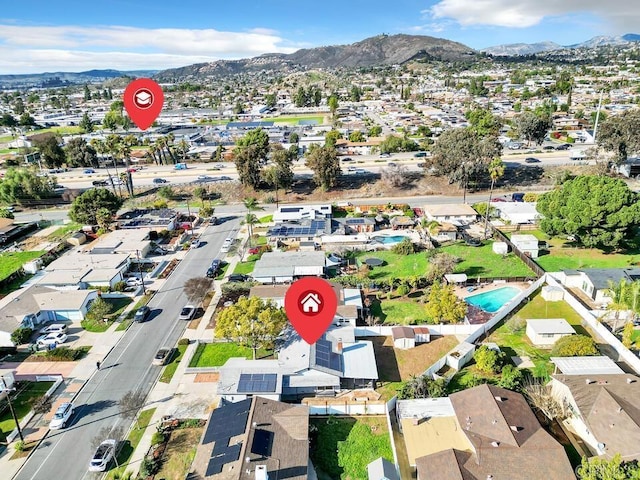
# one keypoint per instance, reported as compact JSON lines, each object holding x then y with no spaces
{"x":133,"y":281}
{"x":517,"y":197}
{"x":162,"y":356}
{"x":204,"y":178}
{"x":104,"y":454}
{"x":347,"y":159}
{"x":564,"y":146}
{"x":214,"y":268}
{"x":88,"y":171}
{"x":549,"y":147}
{"x":239,"y":277}
{"x":195,"y":243}
{"x":158,"y":181}
{"x":385,"y":155}
{"x":100,"y":183}
{"x":51,"y":339}
{"x":420,"y":154}
{"x":187,"y":312}
{"x":62,"y":416}
{"x":531,"y":160}
{"x":226,"y":246}
{"x":141,"y":314}
{"x":254,"y":250}
{"x":54,"y":328}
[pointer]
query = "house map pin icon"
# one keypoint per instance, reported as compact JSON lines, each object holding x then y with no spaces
{"x":310,"y":304}
{"x":143,"y":100}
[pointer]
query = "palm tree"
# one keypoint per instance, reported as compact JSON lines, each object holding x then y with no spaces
{"x":251,"y":204}
{"x":496,"y":170}
{"x":619,"y":294}
{"x":183,"y":147}
{"x":102,"y":148}
{"x":250,"y":220}
{"x":201,"y":193}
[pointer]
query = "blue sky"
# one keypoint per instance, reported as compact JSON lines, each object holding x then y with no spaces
{"x":73,"y":35}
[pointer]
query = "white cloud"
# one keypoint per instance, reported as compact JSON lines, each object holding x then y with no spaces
{"x":623,"y":15}
{"x":25,"y":49}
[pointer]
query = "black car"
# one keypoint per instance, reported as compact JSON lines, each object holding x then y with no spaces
{"x":159,"y":180}
{"x":214,"y":268}
{"x":564,"y":146}
{"x":549,"y":147}
{"x":141,"y":314}
{"x":238,"y":277}
{"x":347,"y":159}
{"x":100,"y":183}
{"x":531,"y":160}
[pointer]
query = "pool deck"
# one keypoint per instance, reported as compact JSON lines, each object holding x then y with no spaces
{"x":462,"y":292}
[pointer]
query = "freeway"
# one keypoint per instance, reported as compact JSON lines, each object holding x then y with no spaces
{"x":371,"y":163}
{"x":65,"y":454}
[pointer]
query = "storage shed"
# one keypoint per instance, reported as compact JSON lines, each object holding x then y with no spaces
{"x":545,"y":332}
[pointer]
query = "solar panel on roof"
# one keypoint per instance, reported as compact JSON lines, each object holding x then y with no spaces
{"x":290,"y":209}
{"x":257,"y":382}
{"x":262,"y":442}
{"x":213,"y":468}
{"x":325,"y":357}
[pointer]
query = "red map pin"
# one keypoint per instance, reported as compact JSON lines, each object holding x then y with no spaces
{"x":143,"y":100}
{"x":310,"y":304}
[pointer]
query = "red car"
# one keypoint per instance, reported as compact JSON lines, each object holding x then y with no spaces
{"x":498,"y":199}
{"x":254,"y":251}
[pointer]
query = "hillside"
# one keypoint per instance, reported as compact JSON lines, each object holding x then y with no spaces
{"x":374,"y":51}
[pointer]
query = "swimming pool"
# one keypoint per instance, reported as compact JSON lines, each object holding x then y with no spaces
{"x":494,"y":300}
{"x":387,"y":239}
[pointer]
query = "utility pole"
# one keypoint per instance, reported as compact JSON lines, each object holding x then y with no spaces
{"x":595,"y":123}
{"x":144,"y":291}
{"x":13,"y":413}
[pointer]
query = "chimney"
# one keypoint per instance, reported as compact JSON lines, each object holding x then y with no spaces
{"x":631,"y":380}
{"x":588,"y":381}
{"x":339,"y":346}
{"x":261,"y":473}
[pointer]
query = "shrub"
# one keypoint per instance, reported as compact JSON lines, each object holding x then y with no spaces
{"x":531,"y":197}
{"x":20,"y":446}
{"x":487,"y":360}
{"x":149,"y":466}
{"x":405,"y":247}
{"x":183,"y":341}
{"x":157,"y":438}
{"x":402,"y":290}
{"x":66,"y":354}
{"x":574,"y":346}
{"x":21,"y":335}
{"x":120,"y":286}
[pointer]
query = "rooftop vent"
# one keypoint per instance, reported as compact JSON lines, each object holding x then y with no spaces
{"x":499,"y":398}
{"x":631,"y":380}
{"x":515,"y":428}
{"x":588,"y":381}
{"x":602,"y":382}
{"x":495,"y":444}
{"x":261,"y":472}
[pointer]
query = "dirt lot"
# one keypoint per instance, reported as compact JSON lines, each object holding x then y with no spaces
{"x":180,"y":452}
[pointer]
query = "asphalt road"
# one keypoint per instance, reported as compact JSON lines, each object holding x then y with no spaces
{"x":65,"y":454}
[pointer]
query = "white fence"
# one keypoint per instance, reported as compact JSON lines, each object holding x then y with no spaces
{"x":380,"y":330}
{"x":625,"y":354}
{"x":348,"y":408}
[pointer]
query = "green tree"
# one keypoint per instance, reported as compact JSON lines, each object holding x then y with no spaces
{"x":422,"y":387}
{"x":6,"y":213}
{"x":510,"y":377}
{"x":26,"y":120}
{"x":165,"y":192}
{"x":627,"y":334}
{"x":99,"y":309}
{"x":251,"y":204}
{"x":20,"y":183}
{"x":375,"y":131}
{"x":86,"y":125}
{"x":111,"y":121}
{"x":443,"y":305}
{"x":50,"y":151}
{"x":574,"y":346}
{"x":270,"y":100}
{"x":201,"y":194}
{"x":532,"y":127}
{"x":487,"y":360}
{"x":619,"y":134}
{"x":483,"y":121}
{"x":294,"y":137}
{"x":251,"y":150}
{"x":355,"y":93}
{"x":394,"y":143}
{"x":598,"y":468}
{"x":496,"y":171}
{"x":356,"y":136}
{"x":280,"y":175}
{"x":85,"y":207}
{"x":21,"y":335}
{"x":331,"y":137}
{"x":104,"y":218}
{"x":601,"y":211}
{"x":405,"y":247}
{"x":252,"y":322}
{"x":8,"y":120}
{"x":325,"y":165}
{"x":250,"y":220}
{"x":79,"y":153}
{"x":87,"y":93}
{"x":183,"y":147}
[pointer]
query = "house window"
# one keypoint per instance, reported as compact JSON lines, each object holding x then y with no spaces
{"x":547,"y":335}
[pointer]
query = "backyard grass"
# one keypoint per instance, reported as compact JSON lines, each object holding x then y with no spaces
{"x":27,"y":393}
{"x":400,"y":266}
{"x":297,"y":119}
{"x":266,"y":219}
{"x":402,"y":312}
{"x":343,"y":447}
{"x":63,"y":231}
{"x":12,"y":261}
{"x":395,"y":365}
{"x":170,"y":369}
{"x":216,"y":354}
{"x":180,"y":453}
{"x":482,"y":262}
{"x":245,"y":268}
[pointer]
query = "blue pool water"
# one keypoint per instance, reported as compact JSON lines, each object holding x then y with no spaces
{"x":494,"y":300}
{"x":387,"y":239}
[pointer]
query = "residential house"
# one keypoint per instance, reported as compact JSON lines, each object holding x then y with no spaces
{"x":596,"y":283}
{"x":526,"y":243}
{"x":353,"y":225}
{"x":82,"y":270}
{"x":591,"y":365}
{"x":457,"y":214}
{"x":135,"y":243}
{"x":382,"y":469}
{"x":345,"y":147}
{"x":289,"y":213}
{"x":603,"y":411}
{"x":402,"y":222}
{"x":285,"y":267}
{"x":545,"y":332}
{"x":444,"y":232}
{"x":36,"y":305}
{"x":504,"y":440}
{"x":517,"y":213}
{"x":157,"y":219}
{"x":295,"y":232}
{"x":255,"y":439}
{"x":350,"y":305}
{"x":336,"y":361}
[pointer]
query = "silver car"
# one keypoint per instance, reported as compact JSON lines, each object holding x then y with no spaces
{"x":62,"y":416}
{"x":104,"y":454}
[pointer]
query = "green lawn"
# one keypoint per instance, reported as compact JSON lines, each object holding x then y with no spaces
{"x":223,"y":271}
{"x":403,"y":312}
{"x":98,"y":325}
{"x":266,"y":219}
{"x":64,"y":231}
{"x":342,"y":447}
{"x":12,"y":261}
{"x":396,"y":265}
{"x":216,"y":354}
{"x":482,"y":262}
{"x":245,"y":267}
{"x":170,"y":369}
{"x":58,"y":130}
{"x":296,"y":119}
{"x":132,"y":441}
{"x":26,"y":395}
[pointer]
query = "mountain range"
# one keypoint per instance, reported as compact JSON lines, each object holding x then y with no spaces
{"x":58,"y":79}
{"x":532,"y":48}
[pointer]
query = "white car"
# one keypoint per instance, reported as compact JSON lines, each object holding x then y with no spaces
{"x":104,"y":453}
{"x":133,"y":281}
{"x":54,"y":328}
{"x":226,"y":246}
{"x":187,"y":312}
{"x":62,"y":416}
{"x":54,"y":339}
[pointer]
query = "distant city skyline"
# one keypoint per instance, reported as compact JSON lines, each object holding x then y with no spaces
{"x":74,"y":35}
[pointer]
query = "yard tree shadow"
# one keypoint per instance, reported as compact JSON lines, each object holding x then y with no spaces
{"x":326,"y":434}
{"x":376,"y":310}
